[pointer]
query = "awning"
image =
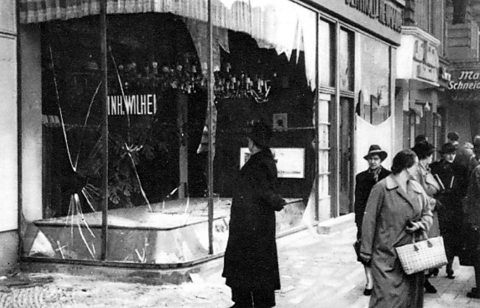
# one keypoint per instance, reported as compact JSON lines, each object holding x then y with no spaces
{"x":279,"y":24}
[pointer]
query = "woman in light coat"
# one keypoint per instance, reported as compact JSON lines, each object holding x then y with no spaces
{"x":397,"y":210}
{"x":424,"y":151}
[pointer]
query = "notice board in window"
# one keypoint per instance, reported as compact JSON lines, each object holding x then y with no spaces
{"x":290,"y":161}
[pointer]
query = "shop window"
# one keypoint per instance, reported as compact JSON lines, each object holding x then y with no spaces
{"x":157,"y":148}
{"x":284,"y":97}
{"x":66,"y":222}
{"x":374,"y":96}
{"x":326,"y":53}
{"x":346,"y":59}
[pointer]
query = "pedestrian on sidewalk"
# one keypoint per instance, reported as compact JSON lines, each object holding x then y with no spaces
{"x":452,"y":176}
{"x":364,"y":182}
{"x":424,"y":151}
{"x":251,"y":262}
{"x":453,"y":137}
{"x":397,"y":208}
{"x":475,"y":159}
{"x":472,"y":220}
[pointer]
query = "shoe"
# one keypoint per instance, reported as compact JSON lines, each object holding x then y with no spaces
{"x":450,"y":273}
{"x":473,"y":294}
{"x":434,"y":272}
{"x":429,"y":288}
{"x":367,"y":292}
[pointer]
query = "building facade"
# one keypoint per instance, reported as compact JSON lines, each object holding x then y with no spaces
{"x":125,"y":153}
{"x":463,"y":71}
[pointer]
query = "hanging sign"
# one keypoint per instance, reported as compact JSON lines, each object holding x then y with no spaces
{"x":137,"y":104}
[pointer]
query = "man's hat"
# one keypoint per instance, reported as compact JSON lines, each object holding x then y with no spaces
{"x":423,"y":149}
{"x":476,"y":142}
{"x":453,"y":136}
{"x":259,"y":132}
{"x":376,"y":150}
{"x":448,"y":148}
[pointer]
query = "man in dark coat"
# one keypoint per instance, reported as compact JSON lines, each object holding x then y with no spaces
{"x":453,"y":178}
{"x":472,"y":218}
{"x":251,"y":262}
{"x":364,"y":182}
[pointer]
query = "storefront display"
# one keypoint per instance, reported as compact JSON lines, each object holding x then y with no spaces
{"x":140,"y":147}
{"x":157,"y":113}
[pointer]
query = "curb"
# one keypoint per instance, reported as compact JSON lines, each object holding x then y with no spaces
{"x":336,"y":224}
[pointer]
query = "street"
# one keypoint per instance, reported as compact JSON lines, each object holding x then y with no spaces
{"x":316,"y":271}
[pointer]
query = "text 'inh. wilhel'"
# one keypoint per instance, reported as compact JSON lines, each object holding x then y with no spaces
{"x":139,"y":104}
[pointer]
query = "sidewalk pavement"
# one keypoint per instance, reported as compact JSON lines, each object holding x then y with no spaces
{"x":316,"y":271}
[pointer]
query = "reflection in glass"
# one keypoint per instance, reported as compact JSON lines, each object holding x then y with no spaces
{"x":374,"y":99}
{"x":346,"y":60}
{"x":326,"y":56}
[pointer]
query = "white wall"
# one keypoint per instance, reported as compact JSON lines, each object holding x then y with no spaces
{"x":8,"y":117}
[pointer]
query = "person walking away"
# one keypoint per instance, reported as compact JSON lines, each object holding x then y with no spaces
{"x":424,"y":151}
{"x":397,"y":210}
{"x":364,"y":182}
{"x":452,"y":176}
{"x":472,"y":219}
{"x":475,"y":159}
{"x":464,"y":154}
{"x":453,"y":137}
{"x":250,"y":261}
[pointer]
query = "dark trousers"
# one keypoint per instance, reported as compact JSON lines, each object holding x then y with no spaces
{"x":476,"y":266}
{"x":258,"y":298}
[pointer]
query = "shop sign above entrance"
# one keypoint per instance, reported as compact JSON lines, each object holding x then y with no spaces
{"x":467,"y":80}
{"x":138,"y":104}
{"x":386,"y":13}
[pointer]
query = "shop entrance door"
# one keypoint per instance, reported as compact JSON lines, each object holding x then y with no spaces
{"x":345,"y":156}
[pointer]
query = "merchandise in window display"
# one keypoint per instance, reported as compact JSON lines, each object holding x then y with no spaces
{"x":188,"y":78}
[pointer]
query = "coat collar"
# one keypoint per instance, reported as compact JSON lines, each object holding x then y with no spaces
{"x":392,"y":184}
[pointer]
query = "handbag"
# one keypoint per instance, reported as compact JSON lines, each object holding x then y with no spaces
{"x":422,"y":255}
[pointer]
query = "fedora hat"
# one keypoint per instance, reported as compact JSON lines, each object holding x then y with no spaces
{"x":376,"y":150}
{"x":476,"y":142}
{"x":448,"y":148}
{"x":260,"y":132}
{"x":423,"y":149}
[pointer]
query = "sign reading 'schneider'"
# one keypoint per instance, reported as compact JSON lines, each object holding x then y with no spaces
{"x":468,"y":80}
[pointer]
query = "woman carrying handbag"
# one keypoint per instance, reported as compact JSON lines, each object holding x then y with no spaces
{"x":472,"y":219}
{"x":424,"y":151}
{"x":396,"y":209}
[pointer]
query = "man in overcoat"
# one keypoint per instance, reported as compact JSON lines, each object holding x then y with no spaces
{"x":364,"y":182}
{"x":251,"y":262}
{"x":472,"y":218}
{"x":453,"y":178}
